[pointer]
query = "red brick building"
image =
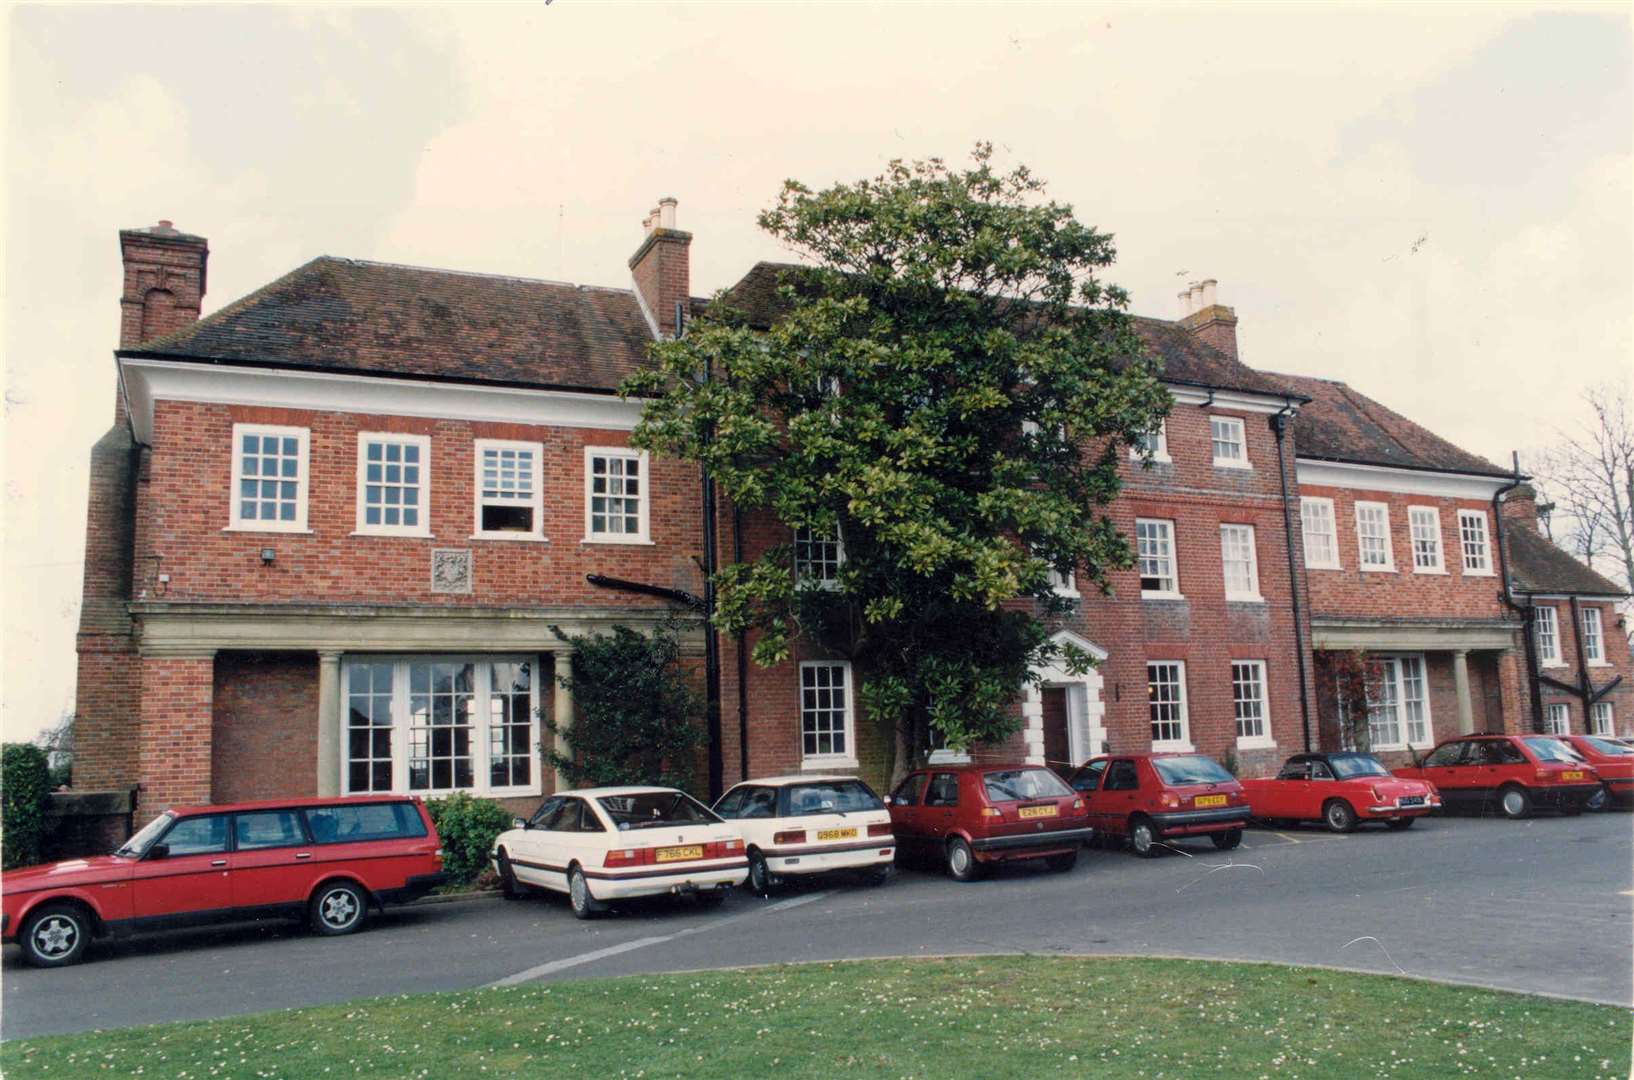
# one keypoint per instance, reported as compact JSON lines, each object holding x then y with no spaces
{"x":336,"y":525}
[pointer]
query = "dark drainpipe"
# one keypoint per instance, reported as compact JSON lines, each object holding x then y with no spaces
{"x":1507,"y":595}
{"x":743,"y":658}
{"x":1279,"y":426}
{"x":712,"y":637}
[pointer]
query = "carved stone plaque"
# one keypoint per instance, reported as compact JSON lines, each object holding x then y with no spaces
{"x":451,"y":570}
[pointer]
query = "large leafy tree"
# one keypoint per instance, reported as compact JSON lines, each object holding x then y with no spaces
{"x":947,"y":388}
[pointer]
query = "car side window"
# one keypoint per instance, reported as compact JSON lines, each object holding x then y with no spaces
{"x":944,"y":790}
{"x":1121,"y":776}
{"x":367,"y":821}
{"x":1450,"y":754}
{"x":202,"y":835}
{"x":731,"y":803}
{"x":907,"y":792}
{"x":760,"y":803}
{"x":546,"y":811}
{"x":1295,"y":770}
{"x":1089,"y":777}
{"x":1501,"y":752}
{"x":267,"y":829}
{"x":1320,"y":771}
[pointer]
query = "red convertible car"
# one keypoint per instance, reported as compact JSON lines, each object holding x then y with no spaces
{"x":1341,"y":790}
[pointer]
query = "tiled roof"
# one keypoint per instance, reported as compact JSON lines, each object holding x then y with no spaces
{"x":376,"y":318}
{"x":1185,"y":359}
{"x":1538,"y":565}
{"x":1339,"y":424}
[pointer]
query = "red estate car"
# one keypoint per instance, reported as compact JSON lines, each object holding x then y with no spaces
{"x":973,"y":815}
{"x":1150,"y":797}
{"x":1341,"y":790}
{"x":323,"y":859}
{"x":1517,"y":773}
{"x":1613,"y":759}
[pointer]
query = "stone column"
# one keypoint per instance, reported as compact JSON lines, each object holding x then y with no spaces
{"x":329,"y":763}
{"x":561,"y":710}
{"x":1460,"y":680}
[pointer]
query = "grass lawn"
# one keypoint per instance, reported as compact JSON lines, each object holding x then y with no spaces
{"x":982,"y":1017}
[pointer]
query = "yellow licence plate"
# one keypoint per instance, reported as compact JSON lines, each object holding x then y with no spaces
{"x":1209,"y":800}
{"x":836,"y":834}
{"x":676,"y":854}
{"x":1576,"y":775}
{"x":1038,"y":811}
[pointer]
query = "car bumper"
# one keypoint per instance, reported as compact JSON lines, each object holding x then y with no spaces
{"x":1396,"y":810}
{"x":611,"y":885}
{"x":1214,"y":819}
{"x":1030,"y":845}
{"x":415,"y":887}
{"x":1563,"y":795}
{"x":818,"y":860}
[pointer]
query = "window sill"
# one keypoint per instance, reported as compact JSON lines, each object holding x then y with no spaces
{"x":1480,"y":573}
{"x":1552,"y":663}
{"x":1599,"y":663}
{"x":1155,"y":459}
{"x":1073,"y":595}
{"x":1323,"y":566}
{"x":1431,"y":573}
{"x":401,"y":534}
{"x":817,"y":765}
{"x":1244,"y":598}
{"x":1173,"y":748}
{"x":817,"y":585}
{"x":612,"y":541}
{"x":1391,"y":569}
{"x":301,"y":530}
{"x":1149,"y":595}
{"x":1240,"y":466}
{"x":514,"y":538}
{"x":1258,"y":742}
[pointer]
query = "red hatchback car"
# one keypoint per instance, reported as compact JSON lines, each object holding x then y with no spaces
{"x":1515,"y":773}
{"x":971,"y":816}
{"x":327,"y":860}
{"x":1153,"y":797}
{"x":1341,"y":790}
{"x":1613,"y":759}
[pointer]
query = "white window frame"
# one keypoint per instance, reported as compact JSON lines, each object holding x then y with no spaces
{"x":848,"y":759}
{"x":1389,"y":566}
{"x":423,"y":488}
{"x":1240,"y":438}
{"x":1483,"y":566}
{"x":803,"y":578}
{"x":479,"y":449}
{"x":1184,"y":742}
{"x":1602,"y":719}
{"x":1065,"y":584}
{"x":303,"y":457}
{"x":1418,"y":517}
{"x":1323,"y":505}
{"x":1594,"y":637}
{"x":402,"y":721}
{"x":1173,"y":576}
{"x":1546,"y":630}
{"x":1557,"y":718}
{"x":1160,"y":453}
{"x":1266,"y":738}
{"x":644,"y":497}
{"x":1252,"y":593}
{"x":1399,"y":700}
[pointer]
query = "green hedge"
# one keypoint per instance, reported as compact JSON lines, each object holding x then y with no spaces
{"x":25,"y":782}
{"x":467,"y":827}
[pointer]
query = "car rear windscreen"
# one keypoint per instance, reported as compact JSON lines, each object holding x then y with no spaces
{"x":1547,"y":749}
{"x":832,"y":797}
{"x":645,"y":809}
{"x":1018,"y":785}
{"x":1188,"y":769}
{"x":364,"y":821}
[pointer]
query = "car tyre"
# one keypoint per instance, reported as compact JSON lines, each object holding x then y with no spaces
{"x":1399,"y":824}
{"x":1143,"y":837}
{"x":509,"y":887}
{"x":584,"y":905}
{"x":338,"y":907}
{"x":1227,"y":840}
{"x":55,"y":935}
{"x":961,"y":861}
{"x":1339,"y":816}
{"x":1063,"y":862}
{"x":1514,"y":802}
{"x":1600,"y":800}
{"x":760,"y":875}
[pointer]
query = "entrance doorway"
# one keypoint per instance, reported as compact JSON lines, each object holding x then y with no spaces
{"x":1057,"y":737}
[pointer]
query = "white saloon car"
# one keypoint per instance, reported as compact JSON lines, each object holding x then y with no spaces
{"x":810,"y":825}
{"x":613,"y":843}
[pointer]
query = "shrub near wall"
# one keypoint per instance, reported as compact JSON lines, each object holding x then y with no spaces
{"x":467,"y":827}
{"x":25,"y":781}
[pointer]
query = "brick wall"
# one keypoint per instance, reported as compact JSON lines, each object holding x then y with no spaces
{"x":174,"y":737}
{"x":264,"y":742}
{"x":1614,"y":648}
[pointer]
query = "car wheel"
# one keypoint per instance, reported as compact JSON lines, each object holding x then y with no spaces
{"x":1143,"y":837}
{"x":55,"y":936}
{"x":509,"y":887}
{"x":1399,"y":824}
{"x":760,"y":875}
{"x":1227,"y":840}
{"x":578,"y":894}
{"x":961,"y":861}
{"x":1600,"y":800}
{"x":1339,"y":816}
{"x":1514,"y":802}
{"x":339,"y":907}
{"x":1062,"y":863}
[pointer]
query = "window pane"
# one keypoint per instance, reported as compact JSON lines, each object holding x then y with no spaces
{"x":823,"y":708}
{"x":1165,"y":688}
{"x":392,"y":486}
{"x":274,"y":828}
{"x":1155,"y":552}
{"x":1425,"y":525}
{"x":1248,"y":698}
{"x":616,"y":504}
{"x":263,"y":461}
{"x":442,"y":701}
{"x":817,"y":556}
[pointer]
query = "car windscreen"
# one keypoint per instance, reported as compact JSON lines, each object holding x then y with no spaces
{"x":1017,"y":785}
{"x":137,"y":845}
{"x":1546,"y":749}
{"x":1346,"y":766}
{"x":646,"y":809}
{"x":831,"y":797}
{"x":1606,"y":746}
{"x":1190,"y":769}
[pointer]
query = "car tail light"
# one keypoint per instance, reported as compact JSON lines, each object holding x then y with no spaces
{"x":880,"y":830}
{"x":793,"y":836}
{"x":1077,"y":804}
{"x":1544,"y":775}
{"x":627,"y":857}
{"x":1169,"y":798}
{"x":731,"y":847}
{"x":992,"y":811}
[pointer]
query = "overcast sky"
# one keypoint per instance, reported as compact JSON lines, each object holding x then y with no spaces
{"x":1432,"y":204}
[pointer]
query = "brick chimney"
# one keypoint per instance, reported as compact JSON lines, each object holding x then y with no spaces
{"x":661,"y":269}
{"x":1209,"y":322}
{"x":164,"y":282}
{"x":1520,"y":507}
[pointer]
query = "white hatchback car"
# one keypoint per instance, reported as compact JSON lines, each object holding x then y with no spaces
{"x":613,"y":843}
{"x":810,"y":825}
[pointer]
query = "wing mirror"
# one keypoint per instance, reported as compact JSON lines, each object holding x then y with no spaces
{"x":158,"y":851}
{"x":519,"y":823}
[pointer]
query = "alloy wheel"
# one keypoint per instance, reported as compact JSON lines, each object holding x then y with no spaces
{"x":55,"y":936}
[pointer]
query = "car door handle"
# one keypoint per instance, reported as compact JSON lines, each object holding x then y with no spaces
{"x":218,"y":862}
{"x":303,"y":854}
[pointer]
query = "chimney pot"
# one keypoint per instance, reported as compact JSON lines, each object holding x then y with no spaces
{"x":166,"y":223}
{"x":1184,"y":295}
{"x":666,"y":212}
{"x":1208,"y":292}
